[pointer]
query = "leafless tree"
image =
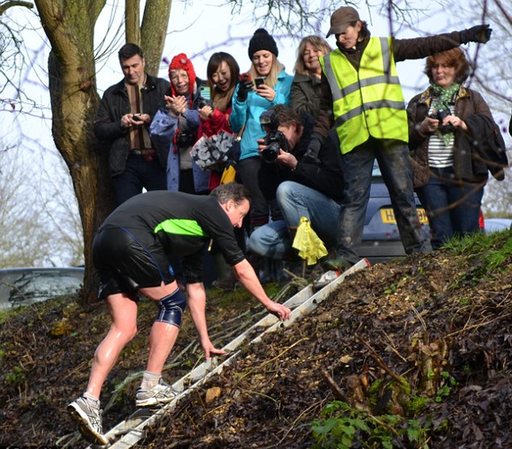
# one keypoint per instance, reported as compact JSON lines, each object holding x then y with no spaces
{"x":496,"y":86}
{"x":69,"y":27}
{"x":34,"y":231}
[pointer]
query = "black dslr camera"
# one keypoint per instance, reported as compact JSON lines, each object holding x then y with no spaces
{"x":440,"y":115}
{"x":275,"y":140}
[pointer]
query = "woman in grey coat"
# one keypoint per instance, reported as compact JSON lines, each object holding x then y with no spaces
{"x":305,"y":93}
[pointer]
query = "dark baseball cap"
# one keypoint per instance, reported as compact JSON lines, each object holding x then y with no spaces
{"x":341,"y":19}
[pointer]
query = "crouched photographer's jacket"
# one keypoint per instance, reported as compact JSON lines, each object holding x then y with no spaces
{"x":324,"y":176}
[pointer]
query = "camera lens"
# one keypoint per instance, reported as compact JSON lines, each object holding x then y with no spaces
{"x":445,"y":129}
{"x":442,"y":114}
{"x":270,"y":154}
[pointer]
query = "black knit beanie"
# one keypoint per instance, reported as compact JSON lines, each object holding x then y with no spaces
{"x":261,"y":40}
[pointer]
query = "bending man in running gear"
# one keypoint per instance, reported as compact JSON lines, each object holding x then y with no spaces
{"x":132,"y":253}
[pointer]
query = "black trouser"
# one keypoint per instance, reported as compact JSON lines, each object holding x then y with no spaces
{"x":248,"y":170}
{"x":137,"y":175}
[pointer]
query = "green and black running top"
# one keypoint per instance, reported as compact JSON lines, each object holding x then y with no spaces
{"x":180,"y":223}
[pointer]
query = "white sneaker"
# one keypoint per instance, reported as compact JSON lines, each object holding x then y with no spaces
{"x":161,"y":393}
{"x":88,"y":416}
{"x":325,"y":279}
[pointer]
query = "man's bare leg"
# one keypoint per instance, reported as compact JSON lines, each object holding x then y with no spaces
{"x":123,"y":311}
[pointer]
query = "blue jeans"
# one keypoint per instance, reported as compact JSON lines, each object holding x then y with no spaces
{"x":395,"y":167}
{"x":453,"y":207}
{"x":295,"y":200}
{"x":137,"y":175}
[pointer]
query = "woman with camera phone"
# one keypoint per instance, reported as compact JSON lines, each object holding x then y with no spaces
{"x":452,"y":138}
{"x":176,"y":127}
{"x":249,"y":102}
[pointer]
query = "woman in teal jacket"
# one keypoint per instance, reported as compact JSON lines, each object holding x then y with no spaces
{"x":265,"y":85}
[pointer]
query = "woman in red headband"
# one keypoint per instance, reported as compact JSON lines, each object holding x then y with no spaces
{"x":177,"y":126}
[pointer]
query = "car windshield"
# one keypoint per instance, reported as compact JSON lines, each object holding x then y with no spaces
{"x":28,"y":286}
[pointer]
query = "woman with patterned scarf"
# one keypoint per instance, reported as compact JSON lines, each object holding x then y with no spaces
{"x":222,"y":72}
{"x":451,"y":134}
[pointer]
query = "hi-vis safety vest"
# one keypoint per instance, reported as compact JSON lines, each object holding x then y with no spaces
{"x":367,"y":102}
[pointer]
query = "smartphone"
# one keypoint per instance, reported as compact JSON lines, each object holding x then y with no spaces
{"x":137,"y":118}
{"x":204,"y":91}
{"x":259,"y":81}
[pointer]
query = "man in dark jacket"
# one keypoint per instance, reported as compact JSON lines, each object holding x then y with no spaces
{"x":361,"y":86}
{"x":303,"y":186}
{"x":122,"y":122}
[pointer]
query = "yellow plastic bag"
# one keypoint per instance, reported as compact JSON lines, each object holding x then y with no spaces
{"x":310,"y":246}
{"x":228,"y":175}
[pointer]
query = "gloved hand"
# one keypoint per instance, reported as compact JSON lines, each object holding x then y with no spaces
{"x":478,"y":33}
{"x":244,"y":87}
{"x":311,"y":154}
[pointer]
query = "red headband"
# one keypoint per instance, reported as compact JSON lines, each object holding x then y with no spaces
{"x":182,"y":62}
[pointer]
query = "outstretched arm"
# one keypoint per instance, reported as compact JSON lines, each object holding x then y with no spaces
{"x":197,"y":304}
{"x":422,"y":47}
{"x":250,"y":281}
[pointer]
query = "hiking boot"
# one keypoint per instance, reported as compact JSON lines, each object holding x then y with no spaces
{"x":325,"y":279}
{"x":337,"y":264}
{"x":87,"y":414}
{"x":161,"y":393}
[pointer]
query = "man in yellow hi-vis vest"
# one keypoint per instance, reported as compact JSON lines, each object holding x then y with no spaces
{"x":361,"y":86}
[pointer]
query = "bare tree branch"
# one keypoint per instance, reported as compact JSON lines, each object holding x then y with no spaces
{"x":11,"y":4}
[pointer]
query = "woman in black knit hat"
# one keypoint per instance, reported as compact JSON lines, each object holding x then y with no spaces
{"x":265,"y":85}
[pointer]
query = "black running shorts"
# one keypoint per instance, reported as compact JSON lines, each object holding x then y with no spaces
{"x":125,"y":265}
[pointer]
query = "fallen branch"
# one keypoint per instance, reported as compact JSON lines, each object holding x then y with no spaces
{"x":382,"y":364}
{"x":318,"y":404}
{"x":274,"y":358}
{"x":477,"y":325}
{"x":335,"y":388}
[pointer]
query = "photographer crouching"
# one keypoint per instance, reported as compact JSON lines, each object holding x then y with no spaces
{"x":304,"y":184}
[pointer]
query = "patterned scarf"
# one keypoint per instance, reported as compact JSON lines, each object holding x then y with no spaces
{"x":443,"y":98}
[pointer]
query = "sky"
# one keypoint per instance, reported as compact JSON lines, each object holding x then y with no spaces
{"x":205,"y":27}
{"x":201,"y":28}
{"x":196,"y":28}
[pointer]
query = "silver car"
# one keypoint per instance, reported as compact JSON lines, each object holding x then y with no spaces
{"x":24,"y":286}
{"x":381,"y":239}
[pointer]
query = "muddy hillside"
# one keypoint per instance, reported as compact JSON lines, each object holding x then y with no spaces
{"x":415,"y":353}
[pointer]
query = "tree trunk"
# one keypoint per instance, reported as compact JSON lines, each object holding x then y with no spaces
{"x":69,"y":25}
{"x":154,"y":31}
{"x":132,"y":21}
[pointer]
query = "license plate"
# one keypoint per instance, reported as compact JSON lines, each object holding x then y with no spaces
{"x":388,"y":216}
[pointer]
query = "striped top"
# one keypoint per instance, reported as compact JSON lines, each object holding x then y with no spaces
{"x":440,"y":153}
